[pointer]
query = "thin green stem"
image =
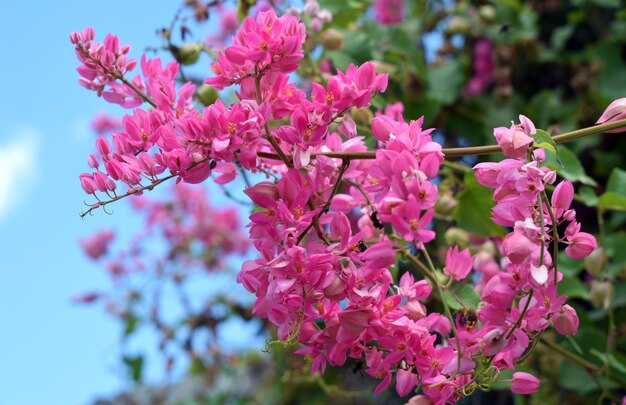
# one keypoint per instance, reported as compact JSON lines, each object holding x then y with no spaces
{"x":518,"y":323}
{"x":433,"y":277}
{"x":138,"y":190}
{"x":573,"y":357}
{"x":555,"y":237}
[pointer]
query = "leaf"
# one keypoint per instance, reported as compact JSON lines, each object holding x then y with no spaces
{"x":573,"y":288}
{"x":466,"y":294}
{"x":570,"y":167}
{"x":544,"y":140}
{"x":588,"y":196}
{"x":344,"y":12}
{"x":570,"y":267}
{"x":613,"y":362}
{"x":617,"y":181}
{"x":612,"y":201}
{"x":473,"y":211}
{"x":197,"y":367}
{"x":132,"y":321}
{"x":444,"y":82}
{"x":575,"y":378}
{"x":135,"y":366}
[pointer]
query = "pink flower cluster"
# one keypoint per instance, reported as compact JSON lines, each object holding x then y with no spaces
{"x":528,"y":268}
{"x":267,"y":43}
{"x":389,"y":12}
{"x":329,"y":228}
{"x":484,"y":65}
{"x":196,"y":235}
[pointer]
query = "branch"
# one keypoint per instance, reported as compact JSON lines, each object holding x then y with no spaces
{"x":472,"y":150}
{"x":139,"y":190}
{"x":344,"y":167}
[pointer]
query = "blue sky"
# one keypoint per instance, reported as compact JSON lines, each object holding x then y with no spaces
{"x":54,"y":352}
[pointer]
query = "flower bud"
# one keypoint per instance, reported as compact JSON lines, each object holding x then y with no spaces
{"x":614,"y":112}
{"x":445,"y":204}
{"x":524,"y":383}
{"x":362,"y":116}
{"x":419,"y":400}
{"x":549,"y":177}
{"x":569,"y":215}
{"x":457,"y":236}
{"x":458,"y":25}
{"x":331,"y":39}
{"x":207,"y":95}
{"x":87,"y":183}
{"x":594,"y":263}
{"x":188,"y":54}
{"x":566,"y":321}
{"x":602,"y":293}
{"x":517,"y":247}
{"x":92,"y":161}
{"x":493,"y":342}
{"x":382,"y":127}
{"x":487,"y":13}
{"x":563,"y":195}
{"x":581,"y":245}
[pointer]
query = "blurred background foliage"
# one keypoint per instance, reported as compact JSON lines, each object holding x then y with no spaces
{"x":467,"y":67}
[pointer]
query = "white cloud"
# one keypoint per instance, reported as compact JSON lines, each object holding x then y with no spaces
{"x":18,"y":167}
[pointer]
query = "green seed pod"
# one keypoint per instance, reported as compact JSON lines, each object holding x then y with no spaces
{"x":362,"y":116}
{"x":207,"y":95}
{"x":331,"y":39}
{"x":188,"y":54}
{"x":487,"y":13}
{"x":457,"y":236}
{"x":594,"y":263}
{"x":602,"y":293}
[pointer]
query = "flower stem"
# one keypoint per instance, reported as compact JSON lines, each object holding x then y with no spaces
{"x":472,"y":150}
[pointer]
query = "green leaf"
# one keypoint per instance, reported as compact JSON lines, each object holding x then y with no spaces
{"x":613,"y":362}
{"x":570,"y":167}
{"x":197,"y":367}
{"x":344,"y":12}
{"x":473,"y":211}
{"x":575,"y":378}
{"x":544,"y":140}
{"x":588,"y":195}
{"x":570,"y":267}
{"x":612,"y":201}
{"x":132,"y":321}
{"x":617,"y":181}
{"x":466,"y":294}
{"x":444,"y":82}
{"x":135,"y":366}
{"x":573,"y":288}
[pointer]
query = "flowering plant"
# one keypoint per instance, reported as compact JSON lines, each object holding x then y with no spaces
{"x":351,"y":199}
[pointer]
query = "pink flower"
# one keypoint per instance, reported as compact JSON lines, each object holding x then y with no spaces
{"x":524,"y":383}
{"x":97,"y":245}
{"x":581,"y":245}
{"x":419,"y":400}
{"x":616,"y":111}
{"x":563,"y":195}
{"x":517,"y":247}
{"x":458,"y":264}
{"x":566,"y":321}
{"x":388,"y":12}
{"x":516,"y":141}
{"x":406,"y":380}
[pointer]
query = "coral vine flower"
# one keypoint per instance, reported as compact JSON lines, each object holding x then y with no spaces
{"x":616,"y":111}
{"x":458,"y":263}
{"x":524,"y":383}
